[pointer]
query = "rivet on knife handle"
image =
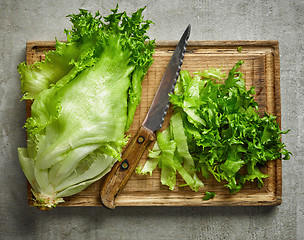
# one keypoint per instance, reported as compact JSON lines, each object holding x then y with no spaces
{"x":122,"y":170}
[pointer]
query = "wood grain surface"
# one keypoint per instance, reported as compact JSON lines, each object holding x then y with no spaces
{"x":261,"y":69}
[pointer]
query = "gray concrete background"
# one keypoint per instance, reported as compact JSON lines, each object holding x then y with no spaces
{"x":22,"y":21}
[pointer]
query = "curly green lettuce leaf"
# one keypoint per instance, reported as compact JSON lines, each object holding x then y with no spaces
{"x":84,"y":98}
{"x":223,"y":134}
{"x":235,"y":135}
{"x":208,"y":195}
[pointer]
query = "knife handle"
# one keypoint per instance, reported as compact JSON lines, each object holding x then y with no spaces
{"x":122,"y":170}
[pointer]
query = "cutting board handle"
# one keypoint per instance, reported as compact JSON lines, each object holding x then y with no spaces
{"x":122,"y":170}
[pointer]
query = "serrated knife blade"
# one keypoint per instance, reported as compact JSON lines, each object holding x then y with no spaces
{"x":115,"y":180}
{"x":158,"y":109}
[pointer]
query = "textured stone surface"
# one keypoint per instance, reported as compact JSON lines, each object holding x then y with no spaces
{"x":22,"y":21}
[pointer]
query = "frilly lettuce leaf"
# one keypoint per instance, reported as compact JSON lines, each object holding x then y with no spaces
{"x":84,"y":96}
{"x":217,"y":130}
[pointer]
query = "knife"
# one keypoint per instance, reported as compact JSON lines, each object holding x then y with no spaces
{"x":115,"y":180}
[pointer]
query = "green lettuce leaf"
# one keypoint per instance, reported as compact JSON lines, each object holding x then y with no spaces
{"x":209,"y":195}
{"x":171,"y":155}
{"x":218,"y":130}
{"x":84,"y":98}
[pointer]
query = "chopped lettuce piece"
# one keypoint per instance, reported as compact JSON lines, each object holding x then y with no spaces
{"x":171,"y":155}
{"x":208,"y":195}
{"x":218,"y":130}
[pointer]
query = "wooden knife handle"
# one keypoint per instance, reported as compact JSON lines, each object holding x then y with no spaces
{"x":121,"y":172}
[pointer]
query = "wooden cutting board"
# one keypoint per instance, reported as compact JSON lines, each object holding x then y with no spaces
{"x":261,"y":69}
